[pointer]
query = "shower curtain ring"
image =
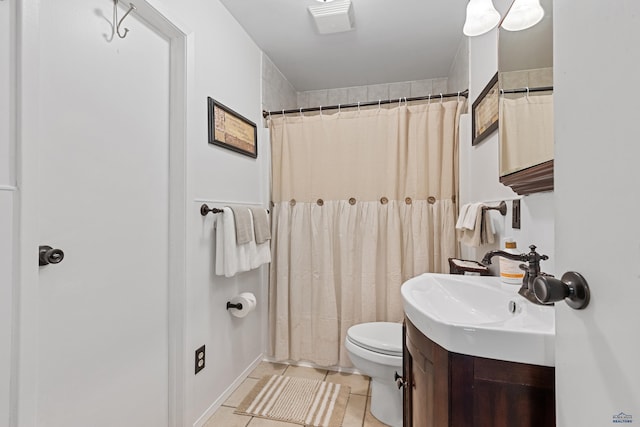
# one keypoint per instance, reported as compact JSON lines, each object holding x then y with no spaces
{"x":301,"y":115}
{"x":527,"y":88}
{"x":458,"y":95}
{"x":441,"y":98}
{"x":379,"y":101}
{"x":338,"y":108}
{"x":429,"y":99}
{"x":358,"y":106}
{"x":321,"y":111}
{"x":405,"y":101}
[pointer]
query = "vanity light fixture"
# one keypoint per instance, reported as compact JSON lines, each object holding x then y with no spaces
{"x":522,"y":15}
{"x":482,"y":17}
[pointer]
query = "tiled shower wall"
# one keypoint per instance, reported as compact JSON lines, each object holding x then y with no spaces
{"x":279,"y":94}
{"x":350,"y":95}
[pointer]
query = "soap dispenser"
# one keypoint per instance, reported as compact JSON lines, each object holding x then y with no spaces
{"x":510,"y":271}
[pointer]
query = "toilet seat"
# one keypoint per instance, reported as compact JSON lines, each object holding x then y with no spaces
{"x":379,"y":337}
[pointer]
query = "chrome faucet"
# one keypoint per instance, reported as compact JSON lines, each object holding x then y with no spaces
{"x":532,"y":269}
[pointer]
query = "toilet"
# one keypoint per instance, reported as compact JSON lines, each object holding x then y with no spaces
{"x":375,"y":349}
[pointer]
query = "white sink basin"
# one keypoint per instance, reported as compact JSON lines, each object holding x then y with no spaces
{"x":471,"y":315}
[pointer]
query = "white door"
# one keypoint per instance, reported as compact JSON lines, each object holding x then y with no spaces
{"x":102,"y":332}
{"x":597,"y":64}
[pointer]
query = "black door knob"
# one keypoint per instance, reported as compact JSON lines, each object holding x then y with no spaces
{"x":48,"y":255}
{"x":572,"y":288}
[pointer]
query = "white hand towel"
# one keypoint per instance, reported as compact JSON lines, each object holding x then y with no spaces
{"x":463,"y":216}
{"x":472,"y":218}
{"x":482,"y":232}
{"x":232,"y":258}
{"x":225,"y":253}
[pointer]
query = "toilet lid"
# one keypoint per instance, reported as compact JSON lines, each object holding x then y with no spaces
{"x":381,"y":337}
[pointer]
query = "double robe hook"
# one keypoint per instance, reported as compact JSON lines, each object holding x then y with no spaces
{"x":116,"y":23}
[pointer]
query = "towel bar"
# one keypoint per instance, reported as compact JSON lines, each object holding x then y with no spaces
{"x":204,"y":210}
{"x":502,"y":208}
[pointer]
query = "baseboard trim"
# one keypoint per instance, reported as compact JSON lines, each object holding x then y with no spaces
{"x":220,"y":400}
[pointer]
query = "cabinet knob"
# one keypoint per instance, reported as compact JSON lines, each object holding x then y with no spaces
{"x":400,"y":381}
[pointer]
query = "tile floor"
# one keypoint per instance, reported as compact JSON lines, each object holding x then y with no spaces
{"x":356,"y":415}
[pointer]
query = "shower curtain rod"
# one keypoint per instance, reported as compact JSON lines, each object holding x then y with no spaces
{"x":527,"y":89}
{"x":437,"y":97}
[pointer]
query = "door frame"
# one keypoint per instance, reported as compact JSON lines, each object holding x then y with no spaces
{"x":24,"y":381}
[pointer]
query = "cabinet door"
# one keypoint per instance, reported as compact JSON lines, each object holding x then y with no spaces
{"x":429,"y":381}
{"x":407,"y":391}
{"x":507,"y":394}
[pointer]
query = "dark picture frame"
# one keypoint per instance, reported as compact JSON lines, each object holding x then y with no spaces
{"x":484,"y":112}
{"x":231,"y":130}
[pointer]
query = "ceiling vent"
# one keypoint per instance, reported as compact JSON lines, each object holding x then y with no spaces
{"x":334,"y":17}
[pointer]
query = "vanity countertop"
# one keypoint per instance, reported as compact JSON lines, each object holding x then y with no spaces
{"x":480,"y":316}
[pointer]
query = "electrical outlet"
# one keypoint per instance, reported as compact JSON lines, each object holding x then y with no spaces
{"x":199,"y":359}
{"x":515,"y":214}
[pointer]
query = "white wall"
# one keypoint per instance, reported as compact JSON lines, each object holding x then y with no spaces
{"x":479,"y":176}
{"x":458,"y":79}
{"x":7,"y":195}
{"x":228,"y":69}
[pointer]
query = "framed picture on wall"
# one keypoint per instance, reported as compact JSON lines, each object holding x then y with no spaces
{"x":232,"y":131}
{"x":484,"y":112}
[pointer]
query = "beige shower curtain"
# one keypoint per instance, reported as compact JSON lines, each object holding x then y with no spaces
{"x":363,"y":201}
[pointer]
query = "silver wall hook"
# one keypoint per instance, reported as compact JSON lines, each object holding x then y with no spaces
{"x":116,"y":23}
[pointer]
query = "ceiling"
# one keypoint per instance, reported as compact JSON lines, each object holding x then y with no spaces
{"x":393,"y":40}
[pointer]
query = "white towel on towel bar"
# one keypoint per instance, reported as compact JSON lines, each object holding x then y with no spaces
{"x":477,"y":227}
{"x":232,"y":258}
{"x":463,"y":216}
{"x":472,"y":217}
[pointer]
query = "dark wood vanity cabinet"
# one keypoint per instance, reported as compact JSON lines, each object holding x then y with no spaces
{"x":446,"y":389}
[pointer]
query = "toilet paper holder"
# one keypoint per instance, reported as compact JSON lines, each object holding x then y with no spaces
{"x":236,"y":306}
